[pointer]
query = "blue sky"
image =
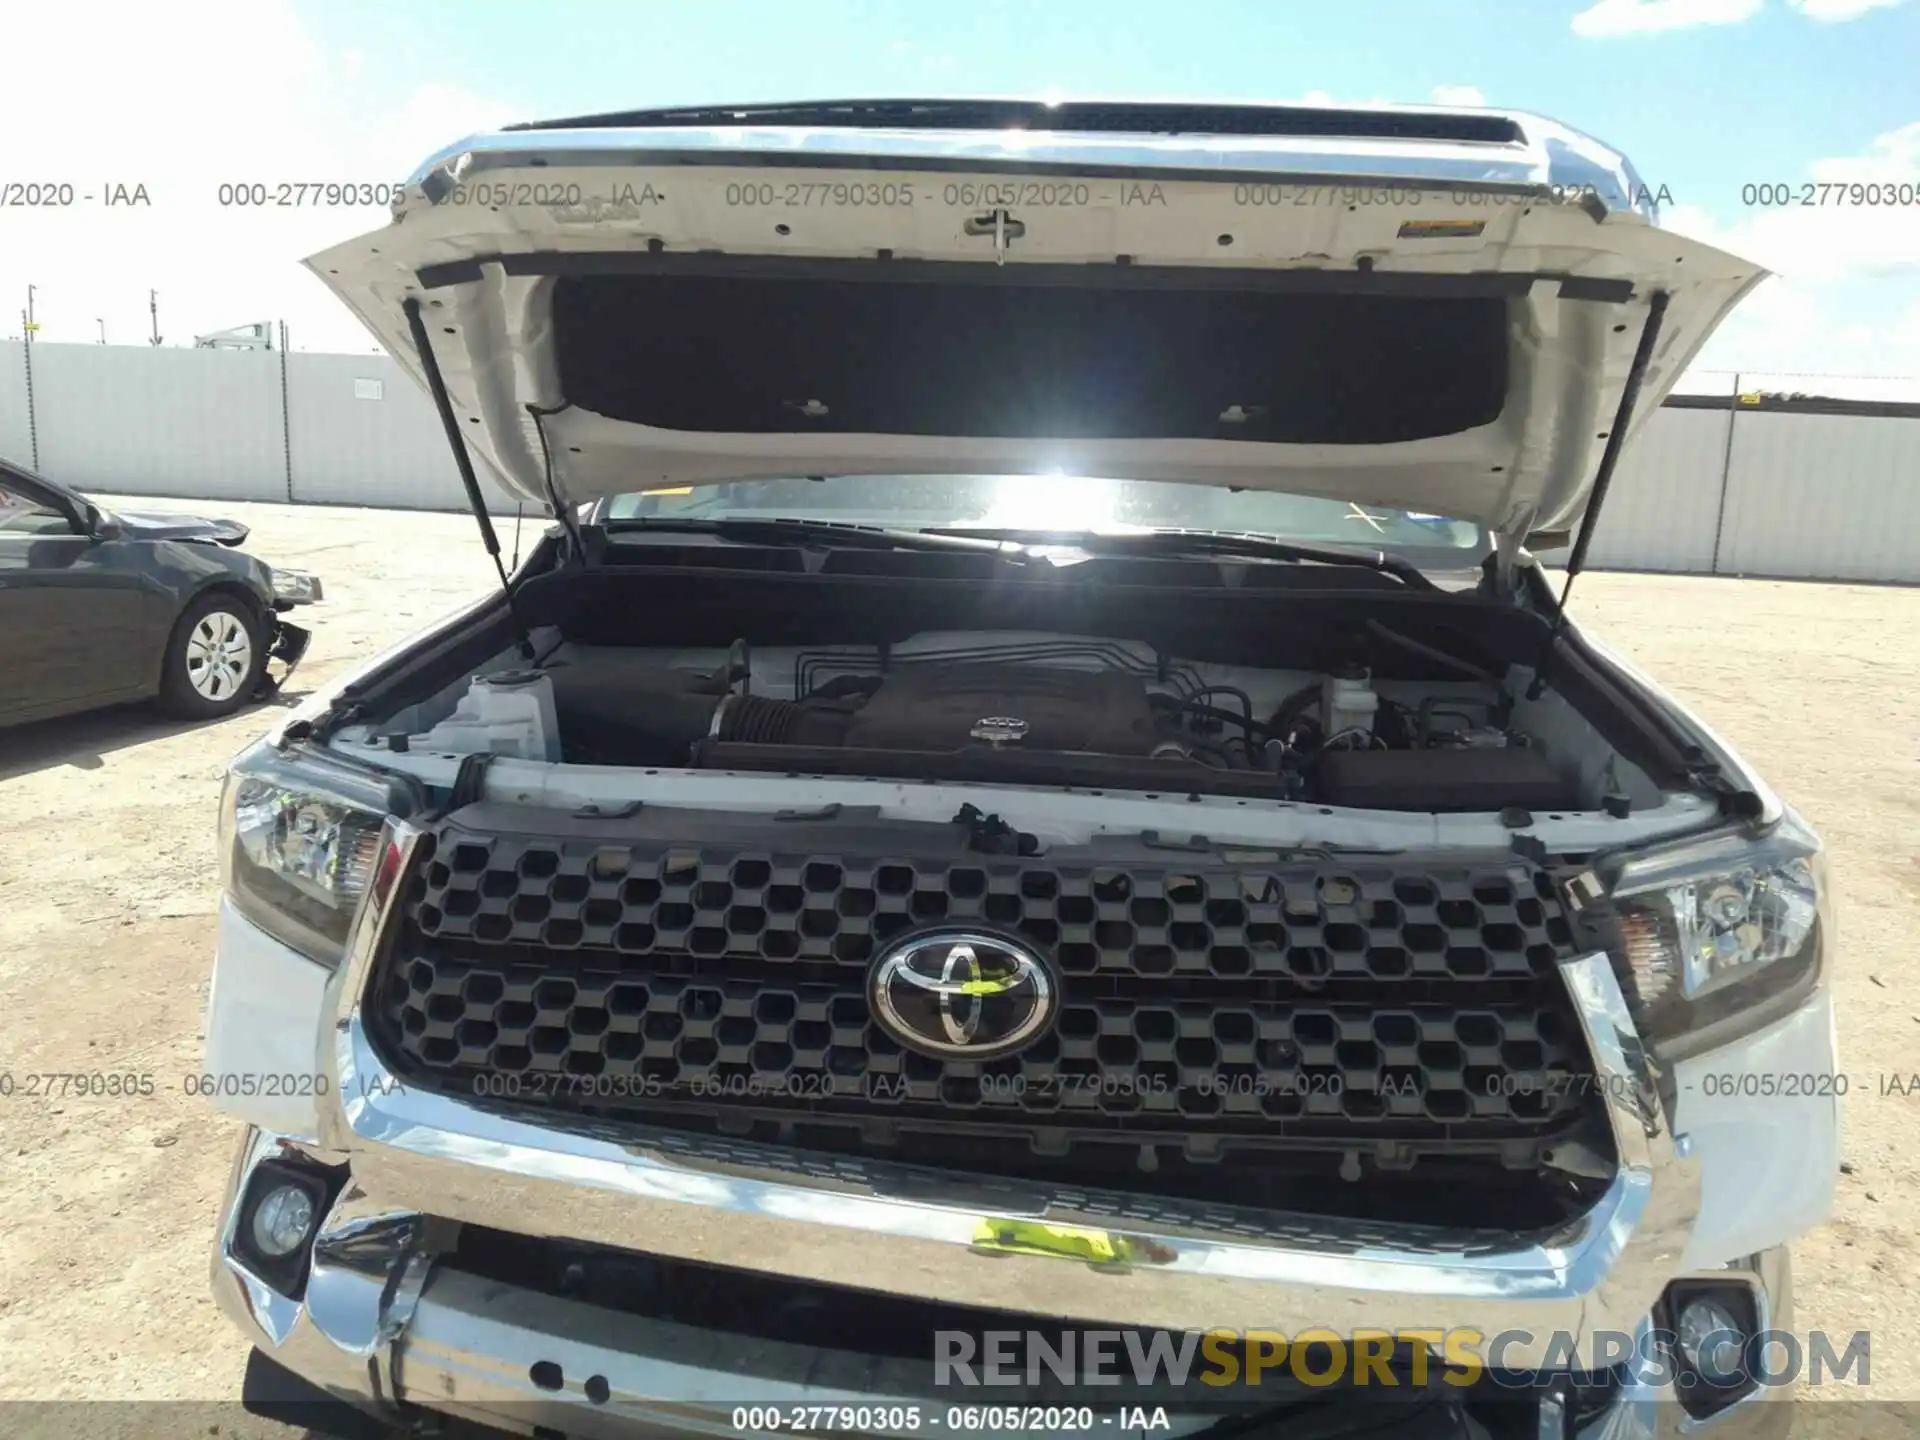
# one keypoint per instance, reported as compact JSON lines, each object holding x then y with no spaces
{"x":1706,"y":95}
{"x":1707,"y":106}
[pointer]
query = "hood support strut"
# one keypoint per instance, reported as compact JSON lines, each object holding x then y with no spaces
{"x":462,"y":460}
{"x":1603,"y":477}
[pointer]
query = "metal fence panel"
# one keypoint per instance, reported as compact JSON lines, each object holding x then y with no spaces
{"x":16,"y":442}
{"x":363,"y":433}
{"x":1816,"y":496}
{"x":1823,"y":497}
{"x":140,"y":420}
{"x":1664,"y":503}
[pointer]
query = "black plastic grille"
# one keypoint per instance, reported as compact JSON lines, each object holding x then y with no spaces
{"x":1210,"y":1002}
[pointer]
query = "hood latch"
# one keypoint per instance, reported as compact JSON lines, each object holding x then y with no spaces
{"x":1001,"y":226}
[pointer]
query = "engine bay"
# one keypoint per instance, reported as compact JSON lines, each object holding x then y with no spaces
{"x":1023,"y":709}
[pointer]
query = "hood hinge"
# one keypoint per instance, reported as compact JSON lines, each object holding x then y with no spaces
{"x":562,"y":512}
{"x":1506,"y":557}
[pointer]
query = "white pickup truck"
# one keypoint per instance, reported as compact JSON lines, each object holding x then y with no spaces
{"x":1034,"y":785}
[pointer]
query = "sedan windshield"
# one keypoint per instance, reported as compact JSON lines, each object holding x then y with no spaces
{"x":1057,"y":503}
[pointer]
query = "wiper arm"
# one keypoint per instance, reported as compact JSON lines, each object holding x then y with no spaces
{"x":1172,"y":543}
{"x":784,"y":530}
{"x":788,"y":530}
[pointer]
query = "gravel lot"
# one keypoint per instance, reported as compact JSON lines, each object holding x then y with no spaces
{"x":108,"y":890}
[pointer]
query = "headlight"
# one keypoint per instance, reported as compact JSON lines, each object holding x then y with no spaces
{"x":1718,"y":935}
{"x":299,"y":842}
{"x":296,"y":587}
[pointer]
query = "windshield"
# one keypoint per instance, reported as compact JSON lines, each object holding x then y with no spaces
{"x":30,"y":505}
{"x":1055,"y":503}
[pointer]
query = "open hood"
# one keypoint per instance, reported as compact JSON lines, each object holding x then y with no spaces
{"x":1433,"y":310}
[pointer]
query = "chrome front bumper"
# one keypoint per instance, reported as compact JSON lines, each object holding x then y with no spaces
{"x":386,"y":1324}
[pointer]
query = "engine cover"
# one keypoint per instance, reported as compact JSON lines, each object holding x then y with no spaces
{"x":941,"y":707}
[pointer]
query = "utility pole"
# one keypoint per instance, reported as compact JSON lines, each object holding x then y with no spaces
{"x":26,"y":356}
{"x":153,"y":309}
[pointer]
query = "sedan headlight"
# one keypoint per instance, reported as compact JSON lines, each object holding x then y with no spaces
{"x":295,"y":587}
{"x":1719,"y":935}
{"x":300,"y":839}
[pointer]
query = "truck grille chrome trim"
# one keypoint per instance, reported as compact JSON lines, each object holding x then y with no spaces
{"x":1601,"y":1271}
{"x":1228,"y":1025}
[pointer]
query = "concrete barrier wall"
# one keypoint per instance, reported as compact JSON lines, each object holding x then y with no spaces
{"x":359,"y":428}
{"x":161,"y":422}
{"x":229,"y":425}
{"x":16,"y":442}
{"x":1824,"y":496}
{"x":1663,"y":506}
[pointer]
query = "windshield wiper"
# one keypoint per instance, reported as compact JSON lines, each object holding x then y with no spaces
{"x":1170,"y":544}
{"x":785,"y":530}
{"x":1174,"y":543}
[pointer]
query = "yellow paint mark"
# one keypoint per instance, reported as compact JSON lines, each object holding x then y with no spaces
{"x":1063,"y":1242}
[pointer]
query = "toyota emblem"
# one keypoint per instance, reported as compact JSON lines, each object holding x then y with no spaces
{"x":962,"y":994}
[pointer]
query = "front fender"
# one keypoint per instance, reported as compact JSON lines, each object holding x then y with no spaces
{"x":229,"y":569}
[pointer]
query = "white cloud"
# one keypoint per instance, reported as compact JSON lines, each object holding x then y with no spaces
{"x":180,"y":99}
{"x":1784,"y":337}
{"x":1636,"y":17}
{"x":1837,"y":10}
{"x":1645,"y":17}
{"x":1841,"y":219}
{"x":1459,"y":95}
{"x":1846,"y":271}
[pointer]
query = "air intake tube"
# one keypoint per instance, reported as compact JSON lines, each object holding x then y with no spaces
{"x":659,"y":716}
{"x":758,"y":720}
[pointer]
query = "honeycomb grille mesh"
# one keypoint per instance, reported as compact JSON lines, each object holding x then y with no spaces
{"x":1271,"y":1005}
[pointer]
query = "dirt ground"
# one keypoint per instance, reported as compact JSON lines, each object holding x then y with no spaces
{"x":108,"y":888}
